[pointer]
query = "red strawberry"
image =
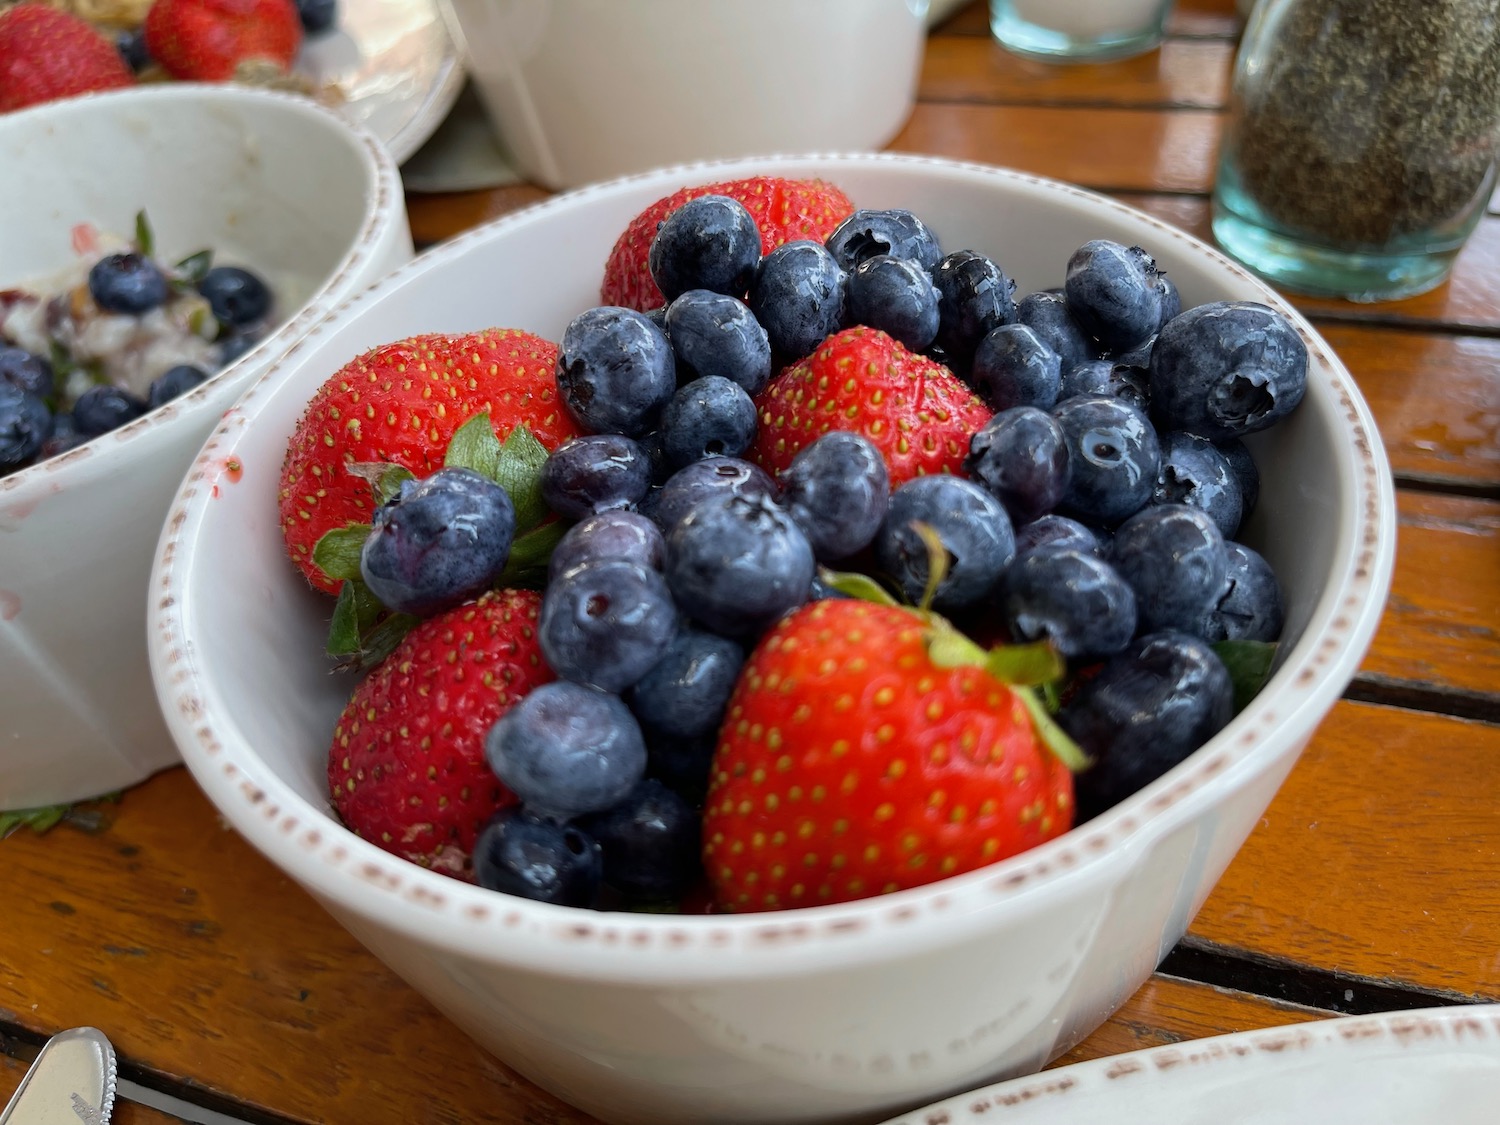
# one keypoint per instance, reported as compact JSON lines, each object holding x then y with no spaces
{"x":400,"y":404}
{"x":46,"y":54}
{"x":914,"y":410}
{"x":784,"y":210}
{"x":207,"y":40}
{"x":852,"y":763}
{"x":406,"y":770}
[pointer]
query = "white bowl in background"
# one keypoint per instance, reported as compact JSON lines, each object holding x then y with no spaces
{"x":582,"y":90}
{"x":269,"y":181}
{"x":824,"y":1014}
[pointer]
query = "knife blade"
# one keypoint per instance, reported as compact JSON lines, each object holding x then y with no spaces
{"x":72,"y":1080}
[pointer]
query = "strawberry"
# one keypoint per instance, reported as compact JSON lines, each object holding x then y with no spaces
{"x":46,"y":54}
{"x":400,"y":404}
{"x":406,"y":769}
{"x":784,"y":210}
{"x":869,"y":748}
{"x":913,"y":409}
{"x":208,"y":40}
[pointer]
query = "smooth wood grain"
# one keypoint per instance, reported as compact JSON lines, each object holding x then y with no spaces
{"x":437,"y":217}
{"x":1171,"y":1010}
{"x":200,"y":960}
{"x":1183,"y":73}
{"x":1115,"y":149}
{"x":1442,"y":623}
{"x":1380,"y":857}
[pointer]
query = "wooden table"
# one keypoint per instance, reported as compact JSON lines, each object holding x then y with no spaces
{"x":1372,"y":883}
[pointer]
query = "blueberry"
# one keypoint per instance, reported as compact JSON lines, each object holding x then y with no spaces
{"x":317,"y":16}
{"x":127,"y":283}
{"x":1243,"y":467}
{"x":25,"y":423}
{"x":1012,"y":367}
{"x":654,"y":445}
{"x":895,"y":295}
{"x":595,"y":473}
{"x":710,"y":242}
{"x":837,"y":489}
{"x":1227,"y":369}
{"x":1046,"y":313}
{"x":236,"y":296}
{"x":605,"y":623}
{"x":1113,"y":458}
{"x":683,"y":765}
{"x":1251,"y":609}
{"x":1171,"y":299}
{"x":566,"y":750}
{"x":1174,"y":559}
{"x":615,"y":371}
{"x":710,"y":417}
{"x":1147,"y":709}
{"x":101,"y":409}
{"x":898,"y":233}
{"x":1058,"y":531}
{"x":1194,"y":472}
{"x":651,"y":843}
{"x":714,"y":334}
{"x":1072,"y":598}
{"x":132,"y":47}
{"x":235,"y":344}
{"x":1138,"y":356}
{"x":64,"y":436}
{"x":609,"y":535}
{"x":30,"y":373}
{"x":1021,"y":458}
{"x":974,"y":298}
{"x":798,"y":295}
{"x":736,"y":563}
{"x":692,"y":484}
{"x":1112,"y":293}
{"x":974,"y":529}
{"x":439,"y":542}
{"x":684,"y":694}
{"x":1106,"y":377}
{"x":173,"y":383}
{"x":523,"y":855}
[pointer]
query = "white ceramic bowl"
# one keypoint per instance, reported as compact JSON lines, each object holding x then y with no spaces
{"x":581,"y":90}
{"x":270,"y":181}
{"x":825,"y":1014}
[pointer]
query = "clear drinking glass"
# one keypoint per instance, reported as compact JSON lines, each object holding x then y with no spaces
{"x":1361,"y":145}
{"x":1079,"y":30}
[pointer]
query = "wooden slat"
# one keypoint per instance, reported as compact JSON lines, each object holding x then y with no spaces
{"x":1185,"y":72}
{"x":1468,"y":300}
{"x":125,"y":1112}
{"x":200,"y":960}
{"x":1435,"y":397}
{"x":1170,"y":1010}
{"x":1441,"y":628}
{"x":1380,"y":857}
{"x":1120,"y":149}
{"x":1209,"y":19}
{"x":438,"y":217}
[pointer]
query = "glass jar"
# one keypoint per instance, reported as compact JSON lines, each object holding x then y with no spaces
{"x":1360,"y":150}
{"x":1079,"y":30}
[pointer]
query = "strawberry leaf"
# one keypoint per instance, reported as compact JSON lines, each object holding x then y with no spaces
{"x":337,"y":552}
{"x":475,"y":446}
{"x":1063,"y":748}
{"x":385,"y":480}
{"x":354,"y":614}
{"x":145,"y":240}
{"x":1249,"y":664}
{"x":858,"y":586}
{"x":519,"y":472}
{"x":379,"y":642}
{"x":529,"y":555}
{"x":1028,"y":665}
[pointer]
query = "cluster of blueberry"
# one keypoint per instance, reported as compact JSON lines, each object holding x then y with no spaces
{"x":1097,"y":513}
{"x":40,"y":418}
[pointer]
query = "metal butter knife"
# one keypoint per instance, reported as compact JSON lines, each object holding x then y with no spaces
{"x":71,"y":1081}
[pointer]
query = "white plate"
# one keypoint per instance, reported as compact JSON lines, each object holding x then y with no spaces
{"x":393,"y":66}
{"x":1440,"y":1066}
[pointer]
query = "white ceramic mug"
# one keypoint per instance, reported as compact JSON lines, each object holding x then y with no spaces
{"x":583,"y":90}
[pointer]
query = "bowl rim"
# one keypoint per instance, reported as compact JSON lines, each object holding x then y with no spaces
{"x":354,"y":877}
{"x":383,"y":204}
